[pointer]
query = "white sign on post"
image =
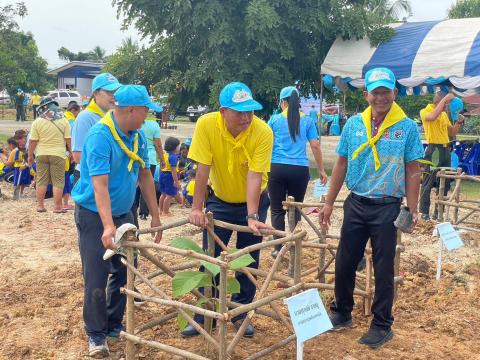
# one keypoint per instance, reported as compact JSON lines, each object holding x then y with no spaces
{"x":319,"y":190}
{"x":309,"y":317}
{"x":449,"y":238}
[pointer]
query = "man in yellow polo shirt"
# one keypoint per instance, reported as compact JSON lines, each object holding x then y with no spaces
{"x":35,"y":103}
{"x":233,"y":148}
{"x":438,"y":130}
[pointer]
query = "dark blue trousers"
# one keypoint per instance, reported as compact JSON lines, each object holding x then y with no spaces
{"x":103,"y":304}
{"x":236,"y":214}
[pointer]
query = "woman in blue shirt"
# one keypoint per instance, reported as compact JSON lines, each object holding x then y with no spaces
{"x":289,"y":173}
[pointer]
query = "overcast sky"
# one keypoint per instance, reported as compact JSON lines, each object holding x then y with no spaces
{"x":81,"y":25}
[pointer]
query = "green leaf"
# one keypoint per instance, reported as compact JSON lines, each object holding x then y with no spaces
{"x":185,"y":281}
{"x":240,"y":262}
{"x":181,"y":321}
{"x":186,"y":244}
{"x":233,"y":286}
{"x":214,"y":269}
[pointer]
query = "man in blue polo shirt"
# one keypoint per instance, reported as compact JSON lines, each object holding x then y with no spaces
{"x":103,"y":87}
{"x":377,"y":155}
{"x":114,"y":159}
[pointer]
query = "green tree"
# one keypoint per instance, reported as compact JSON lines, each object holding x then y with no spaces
{"x":464,"y":9}
{"x":20,"y":63}
{"x":96,"y":54}
{"x":199,"y":46}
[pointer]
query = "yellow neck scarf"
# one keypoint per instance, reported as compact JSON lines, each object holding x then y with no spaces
{"x":108,"y":121}
{"x":395,"y":115}
{"x":238,"y":142}
{"x":93,"y":107}
{"x":69,"y":116}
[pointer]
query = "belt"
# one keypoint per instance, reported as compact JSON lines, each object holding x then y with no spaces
{"x":376,"y":201}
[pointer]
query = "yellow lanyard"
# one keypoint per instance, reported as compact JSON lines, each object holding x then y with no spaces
{"x":238,"y":143}
{"x":108,"y":121}
{"x":395,"y":115}
{"x":93,"y":107}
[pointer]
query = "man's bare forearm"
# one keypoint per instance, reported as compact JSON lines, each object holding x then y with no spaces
{"x":254,"y":185}
{"x":102,"y":199}
{"x":201,"y":181}
{"x":148,"y":191}
{"x":412,"y":184}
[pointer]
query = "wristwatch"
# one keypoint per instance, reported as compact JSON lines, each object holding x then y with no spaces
{"x":252,"y":216}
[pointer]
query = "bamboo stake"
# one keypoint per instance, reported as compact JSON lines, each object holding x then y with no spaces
{"x":463,"y":218}
{"x":441,"y":189}
{"x":463,"y":177}
{"x":321,"y":259}
{"x":130,"y":314}
{"x":272,"y":348}
{"x":175,"y":304}
{"x":248,"y":307}
{"x":264,"y":312}
{"x":291,"y":228}
{"x":222,"y":333}
{"x":461,"y":206}
{"x":171,"y":249}
{"x":179,"y":267}
{"x":467,"y":228}
{"x":297,"y":270}
{"x":368,"y":284}
{"x":248,"y":273}
{"x":325,"y":267}
{"x":396,"y":267}
{"x":208,"y":323}
{"x":166,"y":297}
{"x":157,"y":322}
{"x":277,"y":277}
{"x":321,"y":234}
{"x":163,"y":227}
{"x":167,"y":348}
{"x":304,"y":205}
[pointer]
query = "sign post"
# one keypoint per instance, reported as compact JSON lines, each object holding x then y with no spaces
{"x":449,"y":238}
{"x":309,"y":317}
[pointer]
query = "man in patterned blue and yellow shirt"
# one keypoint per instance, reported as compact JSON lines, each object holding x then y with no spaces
{"x":377,"y":152}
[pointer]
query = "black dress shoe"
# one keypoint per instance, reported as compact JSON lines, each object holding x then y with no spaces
{"x":249,"y":332}
{"x":340,"y":321}
{"x":376,"y":337}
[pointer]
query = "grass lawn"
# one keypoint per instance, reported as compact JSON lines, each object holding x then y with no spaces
{"x":3,"y":139}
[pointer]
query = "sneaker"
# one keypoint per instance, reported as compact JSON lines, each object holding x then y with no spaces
{"x":376,"y":337}
{"x":97,"y":349}
{"x":425,"y":217}
{"x":114,"y":334}
{"x":189,"y":331}
{"x":340,"y":321}
{"x":249,"y":332}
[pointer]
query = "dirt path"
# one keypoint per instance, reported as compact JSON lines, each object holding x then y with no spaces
{"x":41,"y":298}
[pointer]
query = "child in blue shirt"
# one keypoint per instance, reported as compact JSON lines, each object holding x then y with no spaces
{"x":169,"y":184}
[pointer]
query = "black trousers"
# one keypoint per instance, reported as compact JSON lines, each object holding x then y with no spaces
{"x":103,"y":304}
{"x":35,"y":113}
{"x":236,"y":214}
{"x":430,"y":176}
{"x":283,"y":181}
{"x":362,"y":222}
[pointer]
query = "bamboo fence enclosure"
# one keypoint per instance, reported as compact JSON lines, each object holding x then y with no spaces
{"x":449,"y":207}
{"x":220,"y":308}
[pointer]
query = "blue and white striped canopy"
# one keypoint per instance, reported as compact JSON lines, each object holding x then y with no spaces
{"x":421,"y":53}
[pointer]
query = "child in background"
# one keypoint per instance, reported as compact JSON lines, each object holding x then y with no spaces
{"x":169,"y":184}
{"x":18,"y":160}
{"x":189,"y":188}
{"x":67,"y":188}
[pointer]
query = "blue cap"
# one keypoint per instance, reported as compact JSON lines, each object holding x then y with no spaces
{"x":237,"y":96}
{"x":188,"y":141}
{"x":379,"y":77}
{"x":105,"y":81}
{"x":135,"y":95}
{"x":456,"y":105}
{"x":287,"y":92}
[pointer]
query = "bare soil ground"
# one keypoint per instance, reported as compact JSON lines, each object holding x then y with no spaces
{"x":41,"y":297}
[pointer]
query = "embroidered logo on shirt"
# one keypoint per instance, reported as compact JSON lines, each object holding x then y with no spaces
{"x":378,"y":75}
{"x":398,"y":134}
{"x":240,"y":96}
{"x":386,"y":134}
{"x":359,"y":133}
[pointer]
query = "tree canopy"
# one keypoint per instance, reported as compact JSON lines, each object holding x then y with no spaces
{"x":96,"y":54}
{"x":20,"y":64}
{"x":464,"y":9}
{"x":199,"y":46}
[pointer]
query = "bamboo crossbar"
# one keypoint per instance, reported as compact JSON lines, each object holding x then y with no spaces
{"x":331,"y":287}
{"x":278,"y":277}
{"x":259,"y":311}
{"x":272,"y":348}
{"x":249,"y":249}
{"x":466,"y":228}
{"x":304,"y":205}
{"x":175,"y":304}
{"x":171,"y":249}
{"x":459,"y":205}
{"x":163,"y":227}
{"x":167,"y":348}
{"x":184,"y":266}
{"x":157,"y":322}
{"x":264,"y":301}
{"x":241,"y":228}
{"x":463,"y":177}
